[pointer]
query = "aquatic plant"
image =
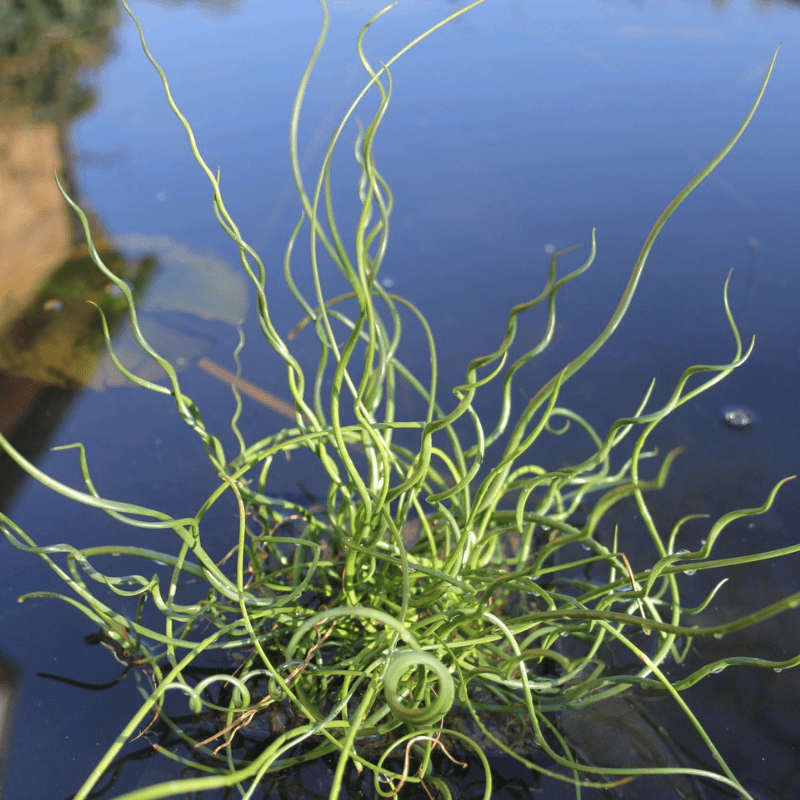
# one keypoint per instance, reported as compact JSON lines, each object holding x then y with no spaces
{"x":436,"y":590}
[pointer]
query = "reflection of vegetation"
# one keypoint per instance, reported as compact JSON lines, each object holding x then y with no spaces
{"x":59,"y":338}
{"x":448,"y":577}
{"x":44,"y":44}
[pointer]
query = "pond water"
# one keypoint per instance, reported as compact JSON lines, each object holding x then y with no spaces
{"x":510,"y":134}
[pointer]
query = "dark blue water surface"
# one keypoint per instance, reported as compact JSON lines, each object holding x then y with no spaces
{"x":512,"y":132}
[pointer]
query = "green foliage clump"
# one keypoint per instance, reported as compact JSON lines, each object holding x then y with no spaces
{"x":435,"y":602}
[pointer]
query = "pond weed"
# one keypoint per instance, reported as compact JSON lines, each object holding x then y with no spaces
{"x":435,"y":591}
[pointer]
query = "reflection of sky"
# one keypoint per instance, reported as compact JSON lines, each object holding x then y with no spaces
{"x":579,"y":106}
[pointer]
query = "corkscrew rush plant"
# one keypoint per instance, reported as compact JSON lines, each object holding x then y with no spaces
{"x":436,"y":583}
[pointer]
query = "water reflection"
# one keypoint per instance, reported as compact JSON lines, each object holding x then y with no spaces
{"x":9,"y":687}
{"x":45,"y":50}
{"x":53,"y":295}
{"x":31,"y":151}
